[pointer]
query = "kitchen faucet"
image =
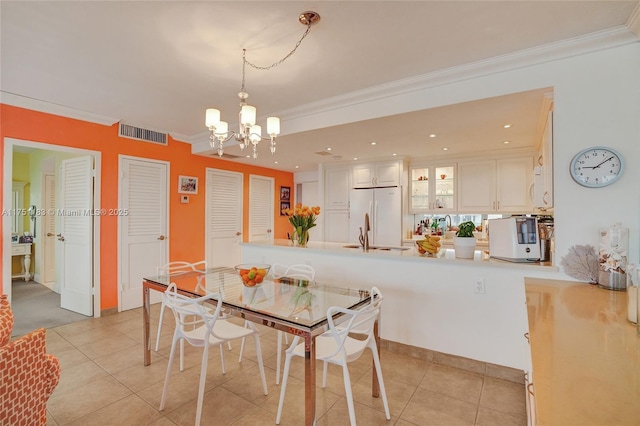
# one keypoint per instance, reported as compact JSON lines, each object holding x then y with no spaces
{"x":448,"y":226}
{"x":364,"y":239}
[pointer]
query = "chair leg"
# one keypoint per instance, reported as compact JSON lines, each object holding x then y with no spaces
{"x":224,"y":368}
{"x":256,"y":338}
{"x":383,"y":392}
{"x":348,"y":393}
{"x":324,"y":374}
{"x":241,"y":350}
{"x":285,"y":376}
{"x":168,"y":373}
{"x":181,"y":354}
{"x":279,"y":356}
{"x":203,"y":379}
{"x":160,"y":325}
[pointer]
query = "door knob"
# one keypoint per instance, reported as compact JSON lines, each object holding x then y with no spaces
{"x":238,"y":233}
{"x":60,"y":237}
{"x":49,"y":234}
{"x":161,"y":237}
{"x":268,"y":231}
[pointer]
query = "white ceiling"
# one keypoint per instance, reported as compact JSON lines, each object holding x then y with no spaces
{"x":160,"y":64}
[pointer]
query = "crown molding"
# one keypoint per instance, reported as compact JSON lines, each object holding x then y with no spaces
{"x":55,"y":109}
{"x":614,"y":37}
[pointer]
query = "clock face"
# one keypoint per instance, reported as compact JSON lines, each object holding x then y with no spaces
{"x":596,"y":167}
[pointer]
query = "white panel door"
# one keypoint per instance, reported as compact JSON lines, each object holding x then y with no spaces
{"x":223,"y":217}
{"x":49,"y":233}
{"x":143,"y":226}
{"x":75,"y":239}
{"x":260,"y":208}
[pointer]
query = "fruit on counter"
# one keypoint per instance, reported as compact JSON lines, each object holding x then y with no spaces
{"x":431,"y":244}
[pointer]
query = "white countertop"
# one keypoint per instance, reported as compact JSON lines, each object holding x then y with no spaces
{"x":446,"y":255}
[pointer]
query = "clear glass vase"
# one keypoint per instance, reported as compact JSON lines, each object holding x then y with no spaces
{"x":300,"y":237}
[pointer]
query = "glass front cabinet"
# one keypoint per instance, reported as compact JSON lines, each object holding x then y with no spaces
{"x":432,"y":189}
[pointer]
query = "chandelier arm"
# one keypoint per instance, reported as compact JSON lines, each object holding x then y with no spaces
{"x":275,"y":64}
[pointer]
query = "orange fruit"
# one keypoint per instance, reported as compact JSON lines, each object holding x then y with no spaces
{"x":251,"y":283}
{"x":258,"y":279}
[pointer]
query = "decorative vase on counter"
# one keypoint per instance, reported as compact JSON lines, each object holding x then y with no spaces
{"x":300,"y":237}
{"x":612,"y":257}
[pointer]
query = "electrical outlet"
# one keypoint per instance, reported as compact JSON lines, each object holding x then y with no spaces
{"x":479,"y":289}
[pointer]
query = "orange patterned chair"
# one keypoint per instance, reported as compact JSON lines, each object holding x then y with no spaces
{"x":28,"y":375}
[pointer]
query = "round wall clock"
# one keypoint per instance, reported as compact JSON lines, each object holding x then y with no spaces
{"x":596,"y":167}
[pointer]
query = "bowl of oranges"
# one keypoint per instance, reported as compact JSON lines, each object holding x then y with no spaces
{"x":252,"y":274}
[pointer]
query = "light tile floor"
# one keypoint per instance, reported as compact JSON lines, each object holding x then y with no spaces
{"x":104,"y":382}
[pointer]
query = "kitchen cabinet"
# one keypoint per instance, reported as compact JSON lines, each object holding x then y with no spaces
{"x":337,"y":187}
{"x":543,"y":190}
{"x":370,"y":175}
{"x":432,"y":188}
{"x":496,"y":186}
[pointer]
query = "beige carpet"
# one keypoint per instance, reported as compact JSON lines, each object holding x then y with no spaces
{"x":35,"y":306}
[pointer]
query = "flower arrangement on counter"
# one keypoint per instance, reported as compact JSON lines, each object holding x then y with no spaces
{"x":302,"y":218}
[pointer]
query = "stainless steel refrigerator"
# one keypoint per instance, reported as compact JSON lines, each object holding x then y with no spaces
{"x":384,"y":206}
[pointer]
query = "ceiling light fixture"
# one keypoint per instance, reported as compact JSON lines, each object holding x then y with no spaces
{"x":506,"y":142}
{"x":432,"y":135}
{"x":506,"y":126}
{"x":248,"y":131}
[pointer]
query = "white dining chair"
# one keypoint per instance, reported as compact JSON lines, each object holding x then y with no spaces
{"x":172,"y":269}
{"x":336,"y":346}
{"x":200,"y":327}
{"x":297,"y":271}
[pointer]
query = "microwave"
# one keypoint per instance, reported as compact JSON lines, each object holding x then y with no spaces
{"x":514,"y":239}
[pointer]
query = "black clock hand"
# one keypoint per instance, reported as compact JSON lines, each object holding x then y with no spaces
{"x":602,"y":162}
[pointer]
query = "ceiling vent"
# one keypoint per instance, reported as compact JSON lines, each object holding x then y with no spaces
{"x":323,"y":153}
{"x":140,"y":134}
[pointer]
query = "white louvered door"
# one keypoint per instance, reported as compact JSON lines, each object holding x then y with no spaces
{"x":48,"y":234}
{"x":224,"y":217}
{"x":75,"y":239}
{"x":142,"y":226}
{"x":260,"y":208}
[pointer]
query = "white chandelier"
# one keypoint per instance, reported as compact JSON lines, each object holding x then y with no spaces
{"x":248,"y":131}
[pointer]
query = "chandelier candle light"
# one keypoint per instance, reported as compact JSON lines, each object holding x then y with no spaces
{"x":249,"y":132}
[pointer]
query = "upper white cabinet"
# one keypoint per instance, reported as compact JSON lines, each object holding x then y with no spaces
{"x":432,"y":188}
{"x":376,"y":174}
{"x":543,"y":189}
{"x":500,"y":186}
{"x":336,"y":187}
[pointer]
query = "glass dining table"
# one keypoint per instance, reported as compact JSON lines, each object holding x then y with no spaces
{"x":294,"y":306}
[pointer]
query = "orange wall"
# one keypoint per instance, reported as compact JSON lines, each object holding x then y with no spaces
{"x":186,"y":221}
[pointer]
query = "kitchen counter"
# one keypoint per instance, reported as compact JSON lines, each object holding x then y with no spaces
{"x":445,"y":255}
{"x":585,"y":355}
{"x":469,"y":308}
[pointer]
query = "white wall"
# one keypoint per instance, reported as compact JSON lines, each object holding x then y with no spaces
{"x":597,"y":102}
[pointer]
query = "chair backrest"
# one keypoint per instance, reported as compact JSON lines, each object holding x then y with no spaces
{"x":189,"y":311}
{"x":298,"y":271}
{"x":359,"y":321}
{"x":180,"y":267}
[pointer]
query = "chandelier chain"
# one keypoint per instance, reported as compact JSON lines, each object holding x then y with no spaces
{"x":275,"y":64}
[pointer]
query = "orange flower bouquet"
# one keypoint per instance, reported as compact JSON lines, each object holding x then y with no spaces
{"x":302,"y":218}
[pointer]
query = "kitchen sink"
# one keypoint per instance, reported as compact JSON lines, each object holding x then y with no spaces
{"x":378,"y":248}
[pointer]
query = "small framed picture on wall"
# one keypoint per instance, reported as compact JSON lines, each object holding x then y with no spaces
{"x":283,"y":206}
{"x":187,"y":185}
{"x":285,"y":193}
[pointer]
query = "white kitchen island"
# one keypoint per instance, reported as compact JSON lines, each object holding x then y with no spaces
{"x":430,"y":303}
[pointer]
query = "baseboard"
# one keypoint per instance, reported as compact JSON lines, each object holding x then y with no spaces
{"x":107,"y":312}
{"x":467,"y":364}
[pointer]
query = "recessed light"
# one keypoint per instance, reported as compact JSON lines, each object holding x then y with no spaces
{"x":432,"y":135}
{"x":445,"y":149}
{"x":373,"y":143}
{"x":506,"y":126}
{"x":394,"y":154}
{"x":328,"y":148}
{"x":275,"y":162}
{"x":355,"y":158}
{"x":506,"y":142}
{"x":247,"y":156}
{"x":297,"y":167}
